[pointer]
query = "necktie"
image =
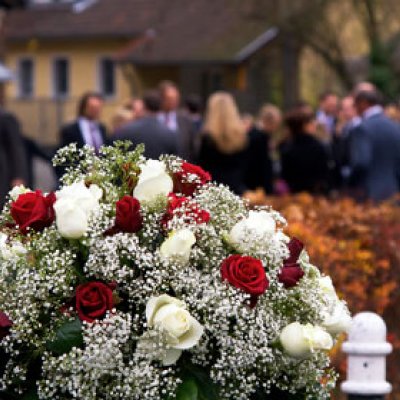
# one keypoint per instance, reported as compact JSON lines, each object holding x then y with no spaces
{"x":94,"y":137}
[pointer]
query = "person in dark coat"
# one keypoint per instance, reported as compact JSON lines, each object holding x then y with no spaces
{"x":304,"y":160}
{"x":13,"y":163}
{"x":176,"y":120}
{"x":374,"y":150}
{"x":231,"y":155}
{"x":148,"y":130}
{"x":87,"y":128}
{"x":340,"y":146}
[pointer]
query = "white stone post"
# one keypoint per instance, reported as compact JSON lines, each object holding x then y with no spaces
{"x":367,"y":349}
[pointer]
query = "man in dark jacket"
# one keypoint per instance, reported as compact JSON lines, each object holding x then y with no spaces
{"x":149,"y":130}
{"x":374,"y":150}
{"x":176,"y":121}
{"x":87,"y":128}
{"x":13,"y":163}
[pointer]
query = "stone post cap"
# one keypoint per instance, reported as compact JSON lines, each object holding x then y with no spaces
{"x":367,"y":327}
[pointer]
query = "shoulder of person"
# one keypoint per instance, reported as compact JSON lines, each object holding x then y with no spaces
{"x":7,"y":116}
{"x":184,"y":119}
{"x":70,"y":126}
{"x":258,"y":136}
{"x":128,"y":129}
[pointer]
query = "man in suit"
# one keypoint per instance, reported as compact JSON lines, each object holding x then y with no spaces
{"x":156,"y":137}
{"x":374,"y":150}
{"x":13,"y":161}
{"x":86,"y":129}
{"x":327,"y":113}
{"x":176,"y":121}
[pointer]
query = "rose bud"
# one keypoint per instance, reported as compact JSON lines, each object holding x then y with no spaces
{"x":5,"y":325}
{"x":128,"y":217}
{"x":291,"y":272}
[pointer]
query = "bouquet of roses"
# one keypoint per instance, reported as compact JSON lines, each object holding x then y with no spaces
{"x":141,"y":279}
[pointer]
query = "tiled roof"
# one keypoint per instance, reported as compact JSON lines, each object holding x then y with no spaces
{"x":163,"y":31}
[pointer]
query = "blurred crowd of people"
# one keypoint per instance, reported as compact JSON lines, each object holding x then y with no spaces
{"x":348,"y":146}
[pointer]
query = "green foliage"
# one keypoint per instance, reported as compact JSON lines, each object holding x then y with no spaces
{"x":69,"y":335}
{"x":31,"y":395}
{"x":196,"y":384}
{"x":187,"y":390}
{"x":381,"y":72}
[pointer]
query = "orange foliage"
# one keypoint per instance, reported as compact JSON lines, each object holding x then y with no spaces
{"x":359,"y":247}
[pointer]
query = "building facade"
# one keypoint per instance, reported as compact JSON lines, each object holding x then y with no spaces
{"x":59,"y":49}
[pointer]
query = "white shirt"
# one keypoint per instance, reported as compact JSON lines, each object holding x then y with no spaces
{"x":328,"y":121}
{"x":370,"y":112}
{"x":169,"y":119}
{"x":88,"y":129}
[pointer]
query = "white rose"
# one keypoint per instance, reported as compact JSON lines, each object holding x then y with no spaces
{"x":327,"y":288}
{"x":18,"y":190}
{"x":182,"y":330}
{"x":337,"y":321}
{"x":73,"y":208}
{"x":153,"y":182}
{"x":300,"y":340}
{"x":13,"y":250}
{"x":255,"y":228}
{"x":178,"y":245}
{"x":4,"y":249}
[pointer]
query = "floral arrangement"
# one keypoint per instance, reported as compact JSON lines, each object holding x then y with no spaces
{"x":142,"y":279}
{"x":358,"y":245}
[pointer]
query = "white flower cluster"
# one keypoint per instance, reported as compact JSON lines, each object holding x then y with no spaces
{"x":141,"y":279}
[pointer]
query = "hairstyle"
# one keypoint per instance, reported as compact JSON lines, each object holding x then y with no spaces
{"x":363,"y":86}
{"x":84,"y":100}
{"x":121,"y":117}
{"x":166,"y":84}
{"x":269,"y":113}
{"x":194,"y":104}
{"x":372,"y":97}
{"x":326,"y":94}
{"x":296,"y":119}
{"x":152,"y":101}
{"x":223,"y":123}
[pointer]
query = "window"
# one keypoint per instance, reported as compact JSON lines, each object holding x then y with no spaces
{"x":25,"y":77}
{"x":107,"y":77}
{"x":61,"y":77}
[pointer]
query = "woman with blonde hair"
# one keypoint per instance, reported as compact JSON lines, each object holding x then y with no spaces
{"x":227,"y":151}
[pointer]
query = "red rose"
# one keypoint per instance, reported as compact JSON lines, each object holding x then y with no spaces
{"x":290,"y":276}
{"x":185,"y":208}
{"x":245,"y":273}
{"x":33,"y":210}
{"x":5,"y":325}
{"x":295,"y":248}
{"x":190,"y":178}
{"x":291,"y":272}
{"x":93,"y":300}
{"x":128,"y":217}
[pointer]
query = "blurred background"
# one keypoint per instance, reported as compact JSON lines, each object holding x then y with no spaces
{"x":290,"y":70}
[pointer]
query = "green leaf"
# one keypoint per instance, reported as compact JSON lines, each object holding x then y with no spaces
{"x":207,"y":389}
{"x":31,"y":395}
{"x":187,"y":390}
{"x":69,"y":335}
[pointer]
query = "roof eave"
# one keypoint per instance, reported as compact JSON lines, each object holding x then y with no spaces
{"x":55,"y":38}
{"x":194,"y":62}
